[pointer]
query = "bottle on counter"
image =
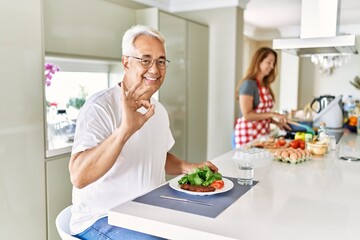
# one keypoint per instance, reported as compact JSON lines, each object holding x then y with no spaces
{"x":322,"y":132}
{"x":323,"y":135}
{"x":349,"y":106}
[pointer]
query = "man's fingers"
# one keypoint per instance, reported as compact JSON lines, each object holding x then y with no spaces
{"x":150,"y":112}
{"x":134,"y":87}
{"x":211,"y":166}
{"x":123,"y":94}
{"x":144,"y":103}
{"x":136,"y":92}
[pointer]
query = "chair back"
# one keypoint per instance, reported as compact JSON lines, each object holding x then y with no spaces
{"x":63,"y":224}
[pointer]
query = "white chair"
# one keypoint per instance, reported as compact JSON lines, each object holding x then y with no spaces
{"x":62,"y":224}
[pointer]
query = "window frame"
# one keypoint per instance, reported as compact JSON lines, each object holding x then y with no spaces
{"x":112,"y":68}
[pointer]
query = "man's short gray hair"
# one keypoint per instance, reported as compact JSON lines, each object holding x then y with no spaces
{"x":135,"y":31}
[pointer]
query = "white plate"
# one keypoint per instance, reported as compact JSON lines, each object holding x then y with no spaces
{"x":173,"y":183}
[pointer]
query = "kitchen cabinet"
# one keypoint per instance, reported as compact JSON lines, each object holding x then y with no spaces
{"x":197,"y":91}
{"x":33,"y":188}
{"x":184,"y":92}
{"x":173,"y":92}
{"x":71,"y":31}
{"x":58,"y":191}
{"x":22,"y":191}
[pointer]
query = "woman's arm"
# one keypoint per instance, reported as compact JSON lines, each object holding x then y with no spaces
{"x":281,"y":122}
{"x":246,"y":106}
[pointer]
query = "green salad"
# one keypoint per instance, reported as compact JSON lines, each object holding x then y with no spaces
{"x":200,"y":176}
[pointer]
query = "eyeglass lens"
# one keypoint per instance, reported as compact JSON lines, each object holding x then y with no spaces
{"x":148,"y":62}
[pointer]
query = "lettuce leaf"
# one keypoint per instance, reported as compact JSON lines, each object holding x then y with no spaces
{"x":200,"y":176}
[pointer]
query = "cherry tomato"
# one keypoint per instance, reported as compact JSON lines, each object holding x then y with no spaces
{"x":281,"y":142}
{"x":302,"y":144}
{"x":294,"y":144}
{"x":218,"y":184}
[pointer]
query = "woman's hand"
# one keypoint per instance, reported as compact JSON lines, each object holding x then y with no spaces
{"x":281,"y":121}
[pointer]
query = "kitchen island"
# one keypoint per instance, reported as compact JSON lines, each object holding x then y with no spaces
{"x":316,"y":199}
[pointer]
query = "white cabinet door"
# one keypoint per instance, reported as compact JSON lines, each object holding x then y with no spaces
{"x":197,"y":92}
{"x":58,"y":188}
{"x":173,"y":93}
{"x":185,"y":90}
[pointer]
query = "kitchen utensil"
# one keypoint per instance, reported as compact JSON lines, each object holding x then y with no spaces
{"x":332,"y":115}
{"x":316,"y":148}
{"x":349,"y":158}
{"x":308,"y":128}
{"x":320,"y":103}
{"x":186,"y":200}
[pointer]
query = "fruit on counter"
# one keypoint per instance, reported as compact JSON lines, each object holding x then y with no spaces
{"x":280,"y":142}
{"x":308,"y":137}
{"x":271,"y":143}
{"x":300,"y":135}
{"x":297,"y":143}
{"x":292,"y":155}
{"x":218,"y":184}
{"x":352,"y":121}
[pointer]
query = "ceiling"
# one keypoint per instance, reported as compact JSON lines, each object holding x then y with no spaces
{"x":266,"y":19}
{"x":284,"y":16}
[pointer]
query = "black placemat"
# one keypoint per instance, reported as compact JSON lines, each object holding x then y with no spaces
{"x":220,"y":201}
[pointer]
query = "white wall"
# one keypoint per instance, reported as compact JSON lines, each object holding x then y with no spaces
{"x":31,"y":197}
{"x":289,"y":81}
{"x":81,"y":28}
{"x":225,"y":68}
{"x":86,"y":27}
{"x":313,"y":84}
{"x":22,"y":175}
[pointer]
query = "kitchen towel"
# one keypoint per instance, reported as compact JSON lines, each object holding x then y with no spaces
{"x":220,"y":201}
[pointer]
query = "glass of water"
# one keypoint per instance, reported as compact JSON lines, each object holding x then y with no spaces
{"x":244,"y":161}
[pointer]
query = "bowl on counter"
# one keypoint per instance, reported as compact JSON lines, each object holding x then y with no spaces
{"x":317,"y":148}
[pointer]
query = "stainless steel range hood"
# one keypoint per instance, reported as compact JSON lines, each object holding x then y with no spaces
{"x":319,"y":31}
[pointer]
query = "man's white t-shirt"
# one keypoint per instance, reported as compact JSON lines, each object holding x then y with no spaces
{"x":139,"y":167}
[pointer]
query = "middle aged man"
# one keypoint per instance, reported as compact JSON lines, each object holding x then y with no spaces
{"x":122,"y":140}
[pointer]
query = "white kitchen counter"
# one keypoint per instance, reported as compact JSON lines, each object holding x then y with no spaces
{"x":317,"y":199}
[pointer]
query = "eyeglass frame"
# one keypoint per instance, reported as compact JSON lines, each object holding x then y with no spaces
{"x":141,"y":59}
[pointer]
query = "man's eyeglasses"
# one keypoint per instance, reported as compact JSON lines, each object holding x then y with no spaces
{"x":147,"y":62}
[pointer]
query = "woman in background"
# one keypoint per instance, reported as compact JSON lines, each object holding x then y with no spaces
{"x":256,"y":99}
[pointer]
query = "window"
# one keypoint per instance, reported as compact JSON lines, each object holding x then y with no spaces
{"x":67,"y":91}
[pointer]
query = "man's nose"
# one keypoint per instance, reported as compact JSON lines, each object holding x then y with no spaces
{"x":154,"y":68}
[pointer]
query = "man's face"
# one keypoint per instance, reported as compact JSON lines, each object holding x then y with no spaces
{"x":149,"y":47}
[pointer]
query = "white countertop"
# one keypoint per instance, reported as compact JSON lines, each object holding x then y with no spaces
{"x":318,"y":199}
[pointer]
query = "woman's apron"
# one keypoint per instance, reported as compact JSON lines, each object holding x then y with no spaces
{"x":246,"y":131}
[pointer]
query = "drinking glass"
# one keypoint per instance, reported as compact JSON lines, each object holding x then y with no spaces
{"x":244,"y":161}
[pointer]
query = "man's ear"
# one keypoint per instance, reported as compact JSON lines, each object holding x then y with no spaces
{"x":125,"y":62}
